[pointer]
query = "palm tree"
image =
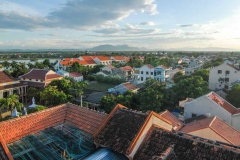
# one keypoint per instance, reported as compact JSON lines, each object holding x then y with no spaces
{"x":2,"y":105}
{"x":12,"y":101}
{"x":6,"y":64}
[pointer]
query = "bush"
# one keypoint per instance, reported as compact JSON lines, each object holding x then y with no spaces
{"x":36,"y":109}
{"x":109,"y":80}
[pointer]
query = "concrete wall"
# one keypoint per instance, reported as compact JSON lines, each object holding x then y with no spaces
{"x":152,"y":121}
{"x":144,"y":76}
{"x":208,"y":134}
{"x":236,"y":121}
{"x":203,"y":106}
{"x":214,"y":76}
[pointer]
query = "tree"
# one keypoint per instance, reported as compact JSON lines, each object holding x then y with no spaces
{"x":12,"y":101}
{"x":46,"y":63}
{"x":6,"y":64}
{"x":204,"y":73}
{"x":193,"y":87}
{"x":233,"y":96}
{"x":51,"y":96}
{"x":33,"y":92}
{"x":2,"y":105}
{"x":62,"y":85}
{"x":177,"y":77}
{"x":36,"y":109}
{"x":108,"y":103}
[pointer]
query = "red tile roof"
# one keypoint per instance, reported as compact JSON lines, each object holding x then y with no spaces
{"x":4,"y":78}
{"x":149,"y":66}
{"x":102,"y":58}
{"x":75,"y":74}
{"x":118,"y":58}
{"x":170,"y":117}
{"x":87,"y":60}
{"x":126,"y":68}
{"x":217,"y":125}
{"x":129,"y":86}
{"x":221,"y":102}
{"x":36,"y":74}
{"x":53,"y":76}
{"x":127,"y":59}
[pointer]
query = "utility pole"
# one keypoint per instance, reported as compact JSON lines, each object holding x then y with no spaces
{"x":81,"y":101}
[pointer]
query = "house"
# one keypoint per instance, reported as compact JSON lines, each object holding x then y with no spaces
{"x":107,"y":70}
{"x":143,"y":73}
{"x":173,"y":72}
{"x":120,"y":59}
{"x":189,"y":71}
{"x":140,"y":58}
{"x":76,"y":76}
{"x":222,"y":76}
{"x":177,"y":124}
{"x":39,"y":78}
{"x":67,"y":62}
{"x":102,"y":60}
{"x":87,"y":134}
{"x":122,"y":88}
{"x":161,"y":73}
{"x":63,"y":73}
{"x":215,"y":129}
{"x":126,"y":72}
{"x":213,"y":105}
{"x":9,"y":86}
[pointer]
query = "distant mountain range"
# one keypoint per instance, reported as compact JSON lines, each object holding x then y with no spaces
{"x":124,"y":47}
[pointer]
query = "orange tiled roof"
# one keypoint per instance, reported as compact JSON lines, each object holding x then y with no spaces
{"x":75,"y":74}
{"x":221,"y":102}
{"x":127,"y":59}
{"x":102,"y":58}
{"x":170,"y":117}
{"x":149,"y":66}
{"x":53,"y":76}
{"x":118,"y":58}
{"x":126,"y":68}
{"x":4,"y":78}
{"x":219,"y":126}
{"x":129,"y":86}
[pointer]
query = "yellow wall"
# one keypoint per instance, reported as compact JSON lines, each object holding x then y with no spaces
{"x":208,"y":134}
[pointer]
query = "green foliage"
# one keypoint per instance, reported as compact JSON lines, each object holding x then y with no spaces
{"x":204,"y":73}
{"x":10,"y":102}
{"x":193,"y":87}
{"x":135,"y":63}
{"x":33,"y":92}
{"x":36,"y":109}
{"x":108,"y":79}
{"x":62,"y":85}
{"x":52,"y":96}
{"x":212,"y":63}
{"x":156,"y":61}
{"x":177,"y":77}
{"x":108,"y":103}
{"x":233,"y":96}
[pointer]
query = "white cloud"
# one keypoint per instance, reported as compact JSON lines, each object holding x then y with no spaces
{"x":78,"y":14}
{"x":147,"y":23}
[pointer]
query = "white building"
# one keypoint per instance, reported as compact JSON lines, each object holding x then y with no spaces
{"x":76,"y":76}
{"x":143,"y":73}
{"x":224,"y":71}
{"x":213,"y":105}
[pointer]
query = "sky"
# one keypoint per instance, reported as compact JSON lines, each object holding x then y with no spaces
{"x":153,"y":24}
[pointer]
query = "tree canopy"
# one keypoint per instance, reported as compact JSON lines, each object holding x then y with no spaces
{"x":233,"y":96}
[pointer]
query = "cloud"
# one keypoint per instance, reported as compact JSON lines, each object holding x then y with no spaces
{"x":147,"y":23}
{"x":78,"y":14}
{"x":188,"y":25}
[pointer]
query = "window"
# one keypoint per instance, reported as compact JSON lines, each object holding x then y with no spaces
{"x":194,"y":115}
{"x":219,"y":71}
{"x":141,"y":72}
{"x":226,"y":79}
{"x":36,"y":79}
{"x":147,"y":73}
{"x":41,"y":80}
{"x":30,"y":79}
{"x":141,"y":78}
{"x":151,"y":73}
{"x":227,"y":73}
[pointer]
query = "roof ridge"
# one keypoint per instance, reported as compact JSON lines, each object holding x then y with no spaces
{"x":221,"y":134}
{"x":86,"y":108}
{"x":221,"y":99}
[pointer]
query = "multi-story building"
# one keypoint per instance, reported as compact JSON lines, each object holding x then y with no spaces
{"x":39,"y":78}
{"x":223,"y":76}
{"x":143,"y":73}
{"x":120,"y":59}
{"x":9,"y":86}
{"x":161,"y":73}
